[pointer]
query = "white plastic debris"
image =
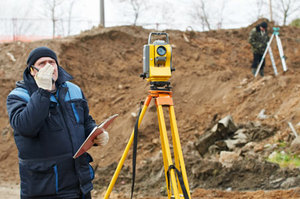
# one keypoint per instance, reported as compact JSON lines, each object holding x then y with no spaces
{"x":262,"y":115}
{"x":11,"y":56}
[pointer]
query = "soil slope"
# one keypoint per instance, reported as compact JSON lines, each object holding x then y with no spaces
{"x":212,"y":80}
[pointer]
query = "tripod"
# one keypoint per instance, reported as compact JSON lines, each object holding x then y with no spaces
{"x":175,"y":174}
{"x":282,"y":57}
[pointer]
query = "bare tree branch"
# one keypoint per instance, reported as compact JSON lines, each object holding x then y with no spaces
{"x":51,"y":7}
{"x":208,"y":14}
{"x":286,"y":8}
{"x":136,"y":6}
{"x":70,"y":16}
{"x":259,"y":7}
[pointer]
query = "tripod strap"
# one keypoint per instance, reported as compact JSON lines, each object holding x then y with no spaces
{"x":179,"y":175}
{"x":134,"y":150}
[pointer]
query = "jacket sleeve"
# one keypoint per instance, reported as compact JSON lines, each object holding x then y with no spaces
{"x":89,"y":122}
{"x":27,"y":117}
{"x":252,"y":38}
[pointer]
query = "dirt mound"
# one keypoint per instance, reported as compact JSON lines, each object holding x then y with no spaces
{"x":212,"y":80}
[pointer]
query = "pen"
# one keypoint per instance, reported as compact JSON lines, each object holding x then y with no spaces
{"x":35,"y":68}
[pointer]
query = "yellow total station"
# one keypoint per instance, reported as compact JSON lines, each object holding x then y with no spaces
{"x":157,"y":70}
{"x":157,"y":59}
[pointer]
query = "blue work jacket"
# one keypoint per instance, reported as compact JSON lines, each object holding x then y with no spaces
{"x":48,"y":130}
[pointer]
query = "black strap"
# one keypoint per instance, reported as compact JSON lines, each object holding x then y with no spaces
{"x":179,"y":175}
{"x":134,"y":150}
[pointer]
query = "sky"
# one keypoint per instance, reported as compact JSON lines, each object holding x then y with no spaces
{"x":32,"y":16}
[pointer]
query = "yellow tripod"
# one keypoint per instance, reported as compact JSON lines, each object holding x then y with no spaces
{"x":176,"y":178}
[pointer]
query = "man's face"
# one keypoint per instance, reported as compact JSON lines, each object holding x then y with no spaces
{"x":41,"y":62}
{"x":262,"y":29}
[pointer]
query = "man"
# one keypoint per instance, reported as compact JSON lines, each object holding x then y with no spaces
{"x":258,"y":39}
{"x":50,"y":118}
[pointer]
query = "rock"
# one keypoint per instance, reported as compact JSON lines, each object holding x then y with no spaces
{"x":228,"y":158}
{"x":230,"y":144}
{"x":272,"y":155}
{"x":244,"y":82}
{"x":295,"y":145}
{"x":239,"y":139}
{"x":217,"y":147}
{"x":289,"y":182}
{"x":223,"y":129}
{"x":258,"y":148}
{"x":225,"y":123}
{"x":213,"y":149}
{"x":276,"y":181}
{"x":133,"y":114}
{"x":240,"y":135}
{"x":248,"y":148}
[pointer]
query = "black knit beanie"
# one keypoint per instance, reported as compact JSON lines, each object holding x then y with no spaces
{"x":39,"y":52}
{"x":264,"y":25}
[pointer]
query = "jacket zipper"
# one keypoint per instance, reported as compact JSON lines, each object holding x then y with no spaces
{"x":63,"y":116}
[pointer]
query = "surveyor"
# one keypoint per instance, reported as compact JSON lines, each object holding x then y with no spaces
{"x":258,"y":38}
{"x":50,"y":118}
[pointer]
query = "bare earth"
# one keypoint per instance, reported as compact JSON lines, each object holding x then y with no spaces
{"x":212,"y":80}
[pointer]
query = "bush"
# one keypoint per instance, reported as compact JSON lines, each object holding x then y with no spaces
{"x":284,"y":159}
{"x":295,"y":23}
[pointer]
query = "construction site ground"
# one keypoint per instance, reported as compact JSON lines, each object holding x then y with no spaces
{"x":212,"y":80}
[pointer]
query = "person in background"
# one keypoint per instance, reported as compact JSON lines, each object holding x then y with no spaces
{"x":258,"y":38}
{"x":50,"y":118}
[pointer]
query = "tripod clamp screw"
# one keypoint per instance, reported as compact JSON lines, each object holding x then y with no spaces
{"x":143,"y":75}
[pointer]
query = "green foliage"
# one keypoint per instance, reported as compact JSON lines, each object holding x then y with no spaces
{"x":282,"y":144}
{"x":284,"y":159}
{"x":295,"y":23}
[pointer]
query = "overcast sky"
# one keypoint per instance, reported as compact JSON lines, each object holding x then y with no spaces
{"x":32,"y":17}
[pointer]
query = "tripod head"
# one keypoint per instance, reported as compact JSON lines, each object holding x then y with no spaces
{"x":276,"y":30}
{"x":157,"y":61}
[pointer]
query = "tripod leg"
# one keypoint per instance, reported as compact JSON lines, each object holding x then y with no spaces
{"x":166,"y":153}
{"x":282,"y":57}
{"x":273,"y":61}
{"x":178,"y":156}
{"x":263,"y":57}
{"x":120,"y":165}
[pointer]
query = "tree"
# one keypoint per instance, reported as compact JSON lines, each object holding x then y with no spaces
{"x":271,"y":10}
{"x":136,"y":8}
{"x":202,"y":14}
{"x":162,"y":14}
{"x":286,"y":8}
{"x":51,"y":7}
{"x":259,"y":7}
{"x":220,"y":18}
{"x":70,"y":15}
{"x":207,"y":14}
{"x":60,"y":19}
{"x":20,"y":24}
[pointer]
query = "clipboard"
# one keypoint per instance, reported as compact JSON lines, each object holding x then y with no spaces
{"x":88,"y":143}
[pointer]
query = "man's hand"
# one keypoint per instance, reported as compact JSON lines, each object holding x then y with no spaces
{"x":102,"y":139}
{"x":43,"y":78}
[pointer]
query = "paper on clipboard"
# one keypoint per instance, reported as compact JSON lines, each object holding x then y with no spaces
{"x":88,"y":143}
